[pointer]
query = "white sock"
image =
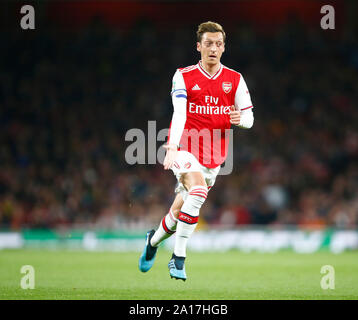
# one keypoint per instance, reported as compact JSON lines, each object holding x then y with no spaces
{"x":166,"y":228}
{"x":188,"y":218}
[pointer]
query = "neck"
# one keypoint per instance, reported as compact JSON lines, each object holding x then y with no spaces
{"x":210,"y":68}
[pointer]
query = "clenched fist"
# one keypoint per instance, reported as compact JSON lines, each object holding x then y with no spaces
{"x":172,"y":151}
{"x":234,"y":116}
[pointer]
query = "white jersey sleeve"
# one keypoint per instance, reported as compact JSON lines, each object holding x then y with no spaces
{"x":244,"y":104}
{"x":179,"y":99}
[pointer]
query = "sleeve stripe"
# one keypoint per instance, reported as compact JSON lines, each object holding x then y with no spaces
{"x":181,"y":96}
{"x":179,"y":90}
{"x":246,"y":108}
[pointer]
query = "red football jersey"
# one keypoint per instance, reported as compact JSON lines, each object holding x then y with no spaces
{"x":208,"y":105}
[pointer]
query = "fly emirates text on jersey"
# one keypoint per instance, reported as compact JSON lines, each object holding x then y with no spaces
{"x":211,"y":107}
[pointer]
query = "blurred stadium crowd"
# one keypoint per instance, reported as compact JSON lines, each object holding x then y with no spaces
{"x":68,"y":98}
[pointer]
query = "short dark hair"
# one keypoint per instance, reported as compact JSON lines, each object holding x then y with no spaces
{"x":209,"y":26}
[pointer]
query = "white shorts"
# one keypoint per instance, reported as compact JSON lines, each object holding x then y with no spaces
{"x":186,"y":162}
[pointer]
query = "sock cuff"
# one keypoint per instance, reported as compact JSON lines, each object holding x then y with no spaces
{"x":165,"y":227}
{"x":199,"y":191}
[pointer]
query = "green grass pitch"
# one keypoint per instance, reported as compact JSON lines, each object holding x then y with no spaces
{"x":231,"y":275}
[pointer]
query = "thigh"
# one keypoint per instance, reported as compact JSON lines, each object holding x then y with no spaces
{"x":210,"y":176}
{"x":188,"y":172}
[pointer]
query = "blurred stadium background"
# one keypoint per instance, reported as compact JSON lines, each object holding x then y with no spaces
{"x":90,"y":71}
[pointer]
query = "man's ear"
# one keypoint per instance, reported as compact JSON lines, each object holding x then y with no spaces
{"x":198,"y":46}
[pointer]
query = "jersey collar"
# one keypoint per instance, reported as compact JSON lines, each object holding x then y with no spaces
{"x":206,"y":74}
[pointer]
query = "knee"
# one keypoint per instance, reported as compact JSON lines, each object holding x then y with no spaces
{"x":192,"y":180}
{"x":175,"y":212}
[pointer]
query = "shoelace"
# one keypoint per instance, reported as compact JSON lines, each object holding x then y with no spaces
{"x":172,"y":264}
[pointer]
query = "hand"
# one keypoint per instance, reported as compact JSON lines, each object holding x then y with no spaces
{"x":170,"y":156}
{"x":234,"y":116}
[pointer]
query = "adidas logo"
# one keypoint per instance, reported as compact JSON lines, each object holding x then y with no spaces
{"x":196,"y":87}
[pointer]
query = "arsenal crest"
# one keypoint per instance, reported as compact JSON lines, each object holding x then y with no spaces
{"x":227,"y":86}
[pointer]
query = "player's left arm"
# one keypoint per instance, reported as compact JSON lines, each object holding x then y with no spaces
{"x":242,"y":115}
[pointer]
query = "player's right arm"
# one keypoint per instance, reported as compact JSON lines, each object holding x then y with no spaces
{"x":179,"y":99}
